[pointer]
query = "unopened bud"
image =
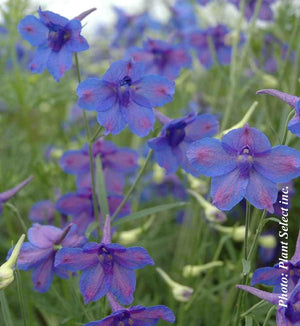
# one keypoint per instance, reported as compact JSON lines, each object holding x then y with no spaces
{"x":195,"y":270}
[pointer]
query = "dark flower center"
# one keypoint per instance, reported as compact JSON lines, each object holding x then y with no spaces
{"x":123,"y":319}
{"x":126,"y":81}
{"x":160,"y":58}
{"x":57,"y":37}
{"x":175,"y":133}
{"x":245,"y":160}
{"x":105,"y":257}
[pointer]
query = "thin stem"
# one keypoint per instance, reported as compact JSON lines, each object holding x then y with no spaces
{"x":21,"y":298}
{"x":247,"y":223}
{"x":5,"y":310}
{"x":90,"y":148}
{"x":256,"y":306}
{"x":285,"y":131}
{"x":133,"y":186}
{"x":269,"y":315}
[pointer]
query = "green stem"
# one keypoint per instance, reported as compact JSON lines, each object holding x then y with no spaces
{"x":269,"y":315}
{"x":247,"y":223}
{"x":285,"y":131}
{"x":5,"y":310}
{"x":128,"y":194}
{"x":90,"y":148}
{"x":21,"y":298}
{"x":256,"y":306}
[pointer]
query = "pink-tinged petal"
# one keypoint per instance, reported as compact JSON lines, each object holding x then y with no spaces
{"x":42,"y":275}
{"x":84,"y":180}
{"x":74,"y":204}
{"x":134,"y":258}
{"x":82,"y":221}
{"x":59,"y":62}
{"x":164,"y":155}
{"x":237,"y":139}
{"x":113,"y":203}
{"x":209,"y":157}
{"x":93,"y":283}
{"x":42,"y":211}
{"x":72,"y":237}
{"x":104,"y":147}
{"x":30,"y":256}
{"x":281,"y":319}
{"x":32,"y":30}
{"x":140,"y":119}
{"x":5,"y":196}
{"x":296,"y":258}
{"x":228,"y":190}
{"x":287,"y":98}
{"x":49,"y":17}
{"x":265,"y":12}
{"x":74,"y":162}
{"x":96,"y":95}
{"x":157,"y":90}
{"x":267,"y":275}
{"x":205,"y":125}
{"x":181,"y":153}
{"x":270,"y":297}
{"x":123,"y":284}
{"x":261,"y":192}
{"x":76,"y":42}
{"x":112,"y":119}
{"x":44,"y":236}
{"x":108,"y":321}
{"x":156,"y":312}
{"x":281,"y":164}
{"x":125,"y":160}
{"x":116,"y":72}
{"x":74,"y":259}
{"x":39,"y":62}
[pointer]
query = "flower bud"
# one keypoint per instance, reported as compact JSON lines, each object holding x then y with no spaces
{"x":237,"y":233}
{"x":180,"y":292}
{"x":195,"y":270}
{"x":6,"y":270}
{"x":267,"y":241}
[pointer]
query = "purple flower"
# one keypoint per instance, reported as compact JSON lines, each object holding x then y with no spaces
{"x":242,"y":165}
{"x":116,"y":162}
{"x":136,"y":316}
{"x":125,"y":95}
{"x":176,"y":136}
{"x":199,"y":40}
{"x":271,"y":276}
{"x":39,"y":253}
{"x":162,"y":58}
{"x":106,"y":267}
{"x":80,"y":206}
{"x":56,"y":38}
{"x":265,"y":11}
{"x":293,"y":101}
{"x":7,"y":195}
{"x":183,"y":16}
{"x":42,"y":211}
{"x":203,"y":2}
{"x":287,"y":306}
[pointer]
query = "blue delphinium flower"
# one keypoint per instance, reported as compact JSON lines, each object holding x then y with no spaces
{"x":293,"y":101}
{"x":171,"y":146}
{"x":106,"y":267}
{"x":161,"y":58}
{"x":287,"y":310}
{"x":242,"y":165}
{"x":116,"y":163}
{"x":198,"y":39}
{"x":42,"y":211}
{"x":80,"y":206}
{"x":183,"y":16}
{"x":39,"y":253}
{"x":56,"y":38}
{"x":5,"y":196}
{"x":265,"y":11}
{"x":125,"y":95}
{"x":271,"y":276}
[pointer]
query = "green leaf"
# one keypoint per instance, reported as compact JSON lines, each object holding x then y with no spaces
{"x":246,"y":266}
{"x":101,"y":188}
{"x":148,"y":211}
{"x":248,"y":321}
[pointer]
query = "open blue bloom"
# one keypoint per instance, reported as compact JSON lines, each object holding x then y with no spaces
{"x":183,"y":16}
{"x":136,"y":316}
{"x":56,"y":38}
{"x":125,"y":95}
{"x":42,"y":211}
{"x":271,"y":276}
{"x":170,"y":148}
{"x":287,"y":310}
{"x":162,"y":58}
{"x":106,"y":267}
{"x":39,"y":253}
{"x":199,"y":39}
{"x":116,"y":163}
{"x":80,"y":206}
{"x":242,"y":165}
{"x":7,"y":195}
{"x":265,"y":11}
{"x":293,"y":101}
